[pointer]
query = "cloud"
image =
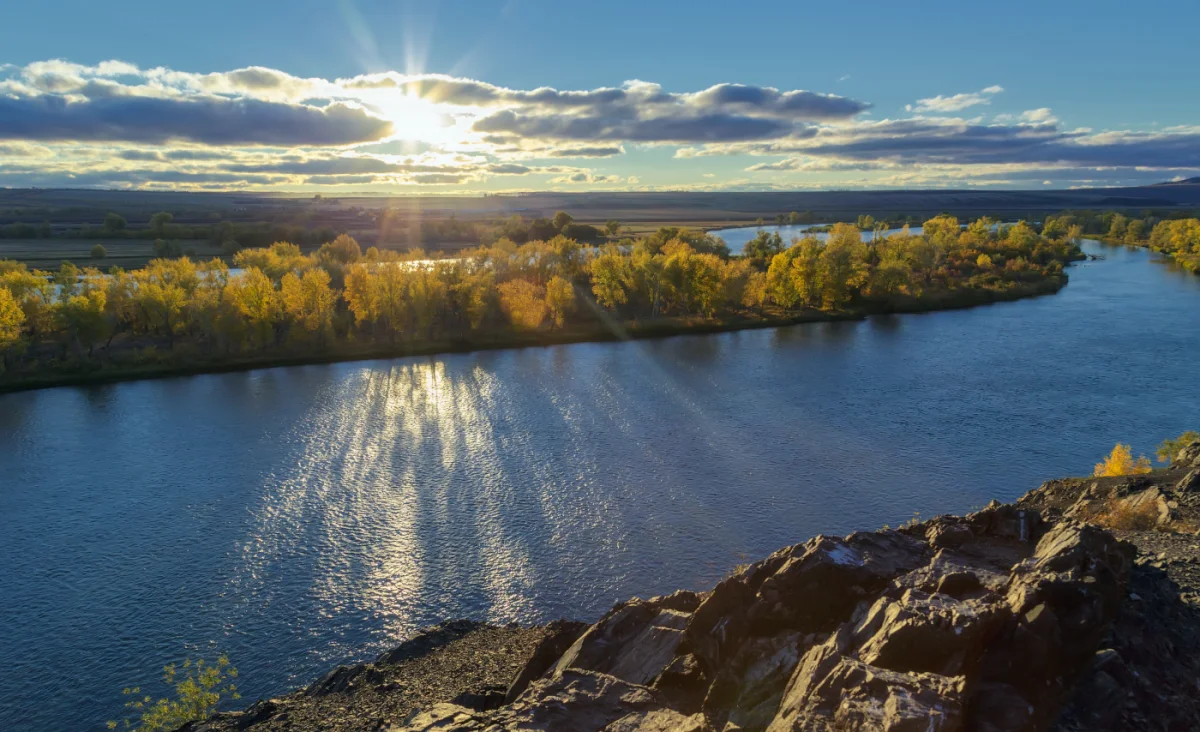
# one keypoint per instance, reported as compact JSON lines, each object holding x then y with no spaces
{"x":206,"y":120}
{"x":811,"y":165}
{"x":955,"y":103}
{"x":585,"y":176}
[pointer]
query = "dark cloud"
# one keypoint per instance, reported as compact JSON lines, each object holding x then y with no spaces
{"x":923,"y":141}
{"x":325,"y":180}
{"x":622,"y":126}
{"x":206,"y":120}
{"x":439,"y":179}
{"x":358,"y":165}
{"x":509,"y":169}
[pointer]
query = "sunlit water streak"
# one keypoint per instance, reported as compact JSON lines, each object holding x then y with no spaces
{"x":302,"y":517}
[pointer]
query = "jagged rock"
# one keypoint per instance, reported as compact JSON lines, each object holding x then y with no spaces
{"x":1060,"y":602}
{"x":1189,"y":482}
{"x":923,"y":632}
{"x":748,"y":692}
{"x":561,"y":634}
{"x":1188,"y":456}
{"x":834,"y":692}
{"x":984,"y":622}
{"x":1150,"y":501}
{"x":683,"y":683}
{"x":634,"y":643}
{"x":572,"y":701}
{"x":659,"y":720}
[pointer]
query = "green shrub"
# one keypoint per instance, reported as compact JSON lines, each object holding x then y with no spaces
{"x":198,"y":690}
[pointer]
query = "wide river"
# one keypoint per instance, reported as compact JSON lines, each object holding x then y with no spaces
{"x":301,"y":517}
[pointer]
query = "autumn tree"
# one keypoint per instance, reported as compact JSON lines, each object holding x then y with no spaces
{"x":253,"y":296}
{"x":843,"y":267}
{"x":611,"y":276}
{"x":560,"y":300}
{"x":1120,"y":462}
{"x":524,"y":303}
{"x":12,"y":318}
{"x":308,"y":301}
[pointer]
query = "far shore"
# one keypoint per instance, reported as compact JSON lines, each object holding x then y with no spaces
{"x":594,"y":333}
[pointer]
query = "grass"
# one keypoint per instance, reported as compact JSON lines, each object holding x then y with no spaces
{"x":126,"y":253}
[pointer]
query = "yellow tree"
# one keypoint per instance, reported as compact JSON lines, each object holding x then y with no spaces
{"x":253,"y":296}
{"x":12,"y":317}
{"x":560,"y":300}
{"x":1120,"y":462}
{"x":524,"y":303}
{"x":83,"y":318}
{"x":756,"y":294}
{"x":34,"y":292}
{"x":361,"y":294}
{"x":309,"y":301}
{"x":843,"y":266}
{"x":610,"y":276}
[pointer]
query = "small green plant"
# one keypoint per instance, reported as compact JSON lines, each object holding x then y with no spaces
{"x":99,"y":252}
{"x":1170,"y":447}
{"x":198,"y":689}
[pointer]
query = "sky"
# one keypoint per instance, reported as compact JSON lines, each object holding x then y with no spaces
{"x":470,"y":96}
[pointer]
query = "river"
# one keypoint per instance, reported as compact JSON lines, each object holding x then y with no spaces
{"x":306,"y":516}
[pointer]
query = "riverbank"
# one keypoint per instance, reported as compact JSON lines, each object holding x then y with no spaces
{"x":1075,"y":608}
{"x":597,"y":332}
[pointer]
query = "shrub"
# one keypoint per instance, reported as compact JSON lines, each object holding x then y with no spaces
{"x":1120,"y":515}
{"x":99,"y":252}
{"x":1170,"y":447}
{"x":1120,"y":462}
{"x":198,"y":691}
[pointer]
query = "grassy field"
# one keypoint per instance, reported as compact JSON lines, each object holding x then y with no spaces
{"x":127,"y":253}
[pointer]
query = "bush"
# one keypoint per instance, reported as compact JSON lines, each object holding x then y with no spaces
{"x":1120,"y":515}
{"x":198,"y":691}
{"x":1170,"y":448}
{"x":1120,"y":462}
{"x":99,"y":252}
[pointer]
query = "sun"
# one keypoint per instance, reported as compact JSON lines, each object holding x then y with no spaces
{"x":414,"y":118}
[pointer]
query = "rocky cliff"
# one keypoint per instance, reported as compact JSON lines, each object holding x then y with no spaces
{"x":1026,"y":616}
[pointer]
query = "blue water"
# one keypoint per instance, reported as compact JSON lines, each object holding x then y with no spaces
{"x":737,"y":238}
{"x":301,"y":517}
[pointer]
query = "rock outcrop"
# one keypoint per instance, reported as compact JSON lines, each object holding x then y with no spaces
{"x":984,"y":622}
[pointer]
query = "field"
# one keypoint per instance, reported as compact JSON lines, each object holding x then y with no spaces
{"x":126,"y":253}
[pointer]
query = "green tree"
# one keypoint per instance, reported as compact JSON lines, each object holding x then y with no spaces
{"x":159,"y":221}
{"x":562,"y":219}
{"x":98,"y":252}
{"x":114,"y":222}
{"x":1170,"y":447}
{"x":612,"y":227}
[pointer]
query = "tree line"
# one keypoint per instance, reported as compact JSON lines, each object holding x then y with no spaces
{"x":277,"y":299}
{"x":1172,"y":233}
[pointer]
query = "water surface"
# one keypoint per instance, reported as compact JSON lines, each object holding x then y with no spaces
{"x":306,"y":516}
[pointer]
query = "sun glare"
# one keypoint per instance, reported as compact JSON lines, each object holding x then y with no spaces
{"x":416,"y":119}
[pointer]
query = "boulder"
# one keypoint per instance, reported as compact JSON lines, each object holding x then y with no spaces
{"x":560,"y":635}
{"x":635,"y":643}
{"x":1189,"y":483}
{"x":1151,"y":503}
{"x":1188,"y":456}
{"x":835,"y":692}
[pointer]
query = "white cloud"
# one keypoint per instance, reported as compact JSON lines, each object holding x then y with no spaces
{"x":958,"y":102}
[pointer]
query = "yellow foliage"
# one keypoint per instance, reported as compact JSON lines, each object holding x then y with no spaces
{"x":1120,"y":462}
{"x":524,"y":303}
{"x":560,"y":300}
{"x":12,"y":317}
